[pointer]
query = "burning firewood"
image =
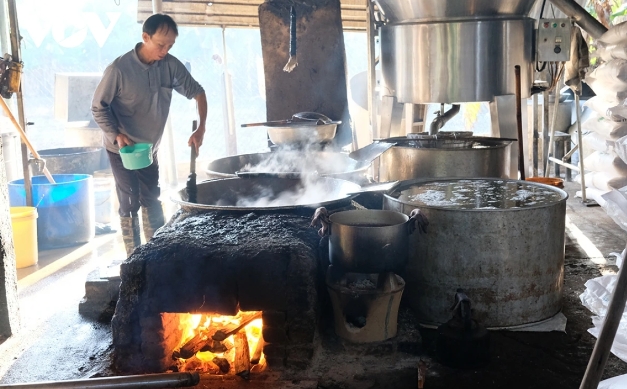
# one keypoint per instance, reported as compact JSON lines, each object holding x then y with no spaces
{"x":195,"y":344}
{"x":232,"y":328}
{"x":242,"y":355}
{"x":258,"y":350}
{"x":214,"y":346}
{"x":195,"y":364}
{"x":223,"y":364}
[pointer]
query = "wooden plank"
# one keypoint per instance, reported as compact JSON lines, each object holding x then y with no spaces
{"x":238,"y":13}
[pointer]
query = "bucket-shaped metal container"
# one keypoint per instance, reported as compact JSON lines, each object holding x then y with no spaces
{"x":445,"y":158}
{"x":65,"y":209}
{"x":69,"y":160}
{"x":369,"y":241}
{"x":501,"y":241}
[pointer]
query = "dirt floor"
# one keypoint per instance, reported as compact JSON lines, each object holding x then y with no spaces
{"x":57,"y":344}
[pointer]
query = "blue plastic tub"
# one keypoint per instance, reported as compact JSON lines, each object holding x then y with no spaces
{"x":66,"y":209}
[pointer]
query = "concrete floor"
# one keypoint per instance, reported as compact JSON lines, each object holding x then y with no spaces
{"x":56,"y":343}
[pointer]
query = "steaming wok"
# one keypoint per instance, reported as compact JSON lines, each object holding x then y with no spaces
{"x":238,"y":194}
{"x":325,"y":163}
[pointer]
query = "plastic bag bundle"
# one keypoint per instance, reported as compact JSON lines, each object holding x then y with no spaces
{"x":615,"y":35}
{"x":612,"y":110}
{"x":618,"y":382}
{"x":597,"y":298}
{"x":606,"y":128}
{"x":607,"y":161}
{"x":592,"y":141}
{"x":620,"y":147}
{"x":615,"y":204}
{"x":602,"y":180}
{"x":608,"y":52}
{"x":598,"y":293}
{"x":610,"y":75}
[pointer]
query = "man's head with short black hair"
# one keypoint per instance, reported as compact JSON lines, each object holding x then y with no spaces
{"x":157,"y":22}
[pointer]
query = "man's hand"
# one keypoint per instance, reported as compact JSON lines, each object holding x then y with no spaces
{"x":123,"y":140}
{"x":196,"y":138}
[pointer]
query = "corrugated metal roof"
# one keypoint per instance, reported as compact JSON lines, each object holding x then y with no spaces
{"x":239,"y":13}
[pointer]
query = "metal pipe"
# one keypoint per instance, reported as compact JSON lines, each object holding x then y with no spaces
{"x":372,"y":75}
{"x":545,"y":124}
{"x":565,"y":164}
{"x":582,"y":171}
{"x":147,"y":381}
{"x":586,"y":21}
{"x":603,"y":345}
{"x":229,"y":110}
{"x":157,"y":6}
{"x":441,"y":119}
{"x":551,"y":150}
{"x":535,"y":135}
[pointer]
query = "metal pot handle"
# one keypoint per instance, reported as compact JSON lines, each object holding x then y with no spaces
{"x":417,"y":220}
{"x":321,"y":216}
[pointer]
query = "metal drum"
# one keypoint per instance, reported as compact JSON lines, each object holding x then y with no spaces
{"x":501,"y":241}
{"x":432,"y":158}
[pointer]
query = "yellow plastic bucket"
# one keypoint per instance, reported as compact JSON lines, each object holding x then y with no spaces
{"x":24,"y":224}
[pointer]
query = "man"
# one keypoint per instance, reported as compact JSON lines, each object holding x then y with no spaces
{"x":131,"y":105}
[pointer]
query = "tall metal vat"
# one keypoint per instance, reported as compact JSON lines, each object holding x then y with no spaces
{"x":501,"y":241}
{"x":454,"y":51}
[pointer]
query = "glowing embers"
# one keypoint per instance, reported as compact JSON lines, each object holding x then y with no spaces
{"x":220,"y":344}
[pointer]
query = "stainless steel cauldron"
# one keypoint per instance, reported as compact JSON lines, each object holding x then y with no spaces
{"x":501,"y":241}
{"x":268,"y":193}
{"x":325,"y":163}
{"x":368,"y":241}
{"x":432,"y":158}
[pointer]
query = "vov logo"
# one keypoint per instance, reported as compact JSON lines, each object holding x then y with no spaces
{"x":71,"y":32}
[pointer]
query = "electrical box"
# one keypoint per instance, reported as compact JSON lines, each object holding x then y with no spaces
{"x":553,"y":37}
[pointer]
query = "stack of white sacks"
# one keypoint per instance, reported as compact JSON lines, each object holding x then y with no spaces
{"x":604,"y":123}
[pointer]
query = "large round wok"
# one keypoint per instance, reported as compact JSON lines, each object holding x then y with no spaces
{"x":325,"y":163}
{"x":236,"y":194}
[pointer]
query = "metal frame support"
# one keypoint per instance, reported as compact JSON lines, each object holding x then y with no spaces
{"x":578,"y":146}
{"x":230,"y":133}
{"x":16,"y":54}
{"x":551,"y":147}
{"x":586,"y":21}
{"x":157,"y":6}
{"x":371,"y":32}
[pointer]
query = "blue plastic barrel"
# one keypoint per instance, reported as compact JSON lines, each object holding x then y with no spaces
{"x":65,"y":209}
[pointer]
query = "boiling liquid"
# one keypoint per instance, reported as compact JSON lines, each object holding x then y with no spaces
{"x":480,"y":194}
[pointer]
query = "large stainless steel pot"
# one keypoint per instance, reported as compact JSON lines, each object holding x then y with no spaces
{"x":268,"y":193}
{"x":325,"y":163}
{"x":369,"y":241}
{"x":302,"y":133}
{"x":432,"y":158}
{"x":457,"y":61}
{"x":501,"y":241}
{"x":397,"y":10}
{"x":453,"y":51}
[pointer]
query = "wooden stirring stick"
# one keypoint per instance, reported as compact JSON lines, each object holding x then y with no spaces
{"x":6,"y":109}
